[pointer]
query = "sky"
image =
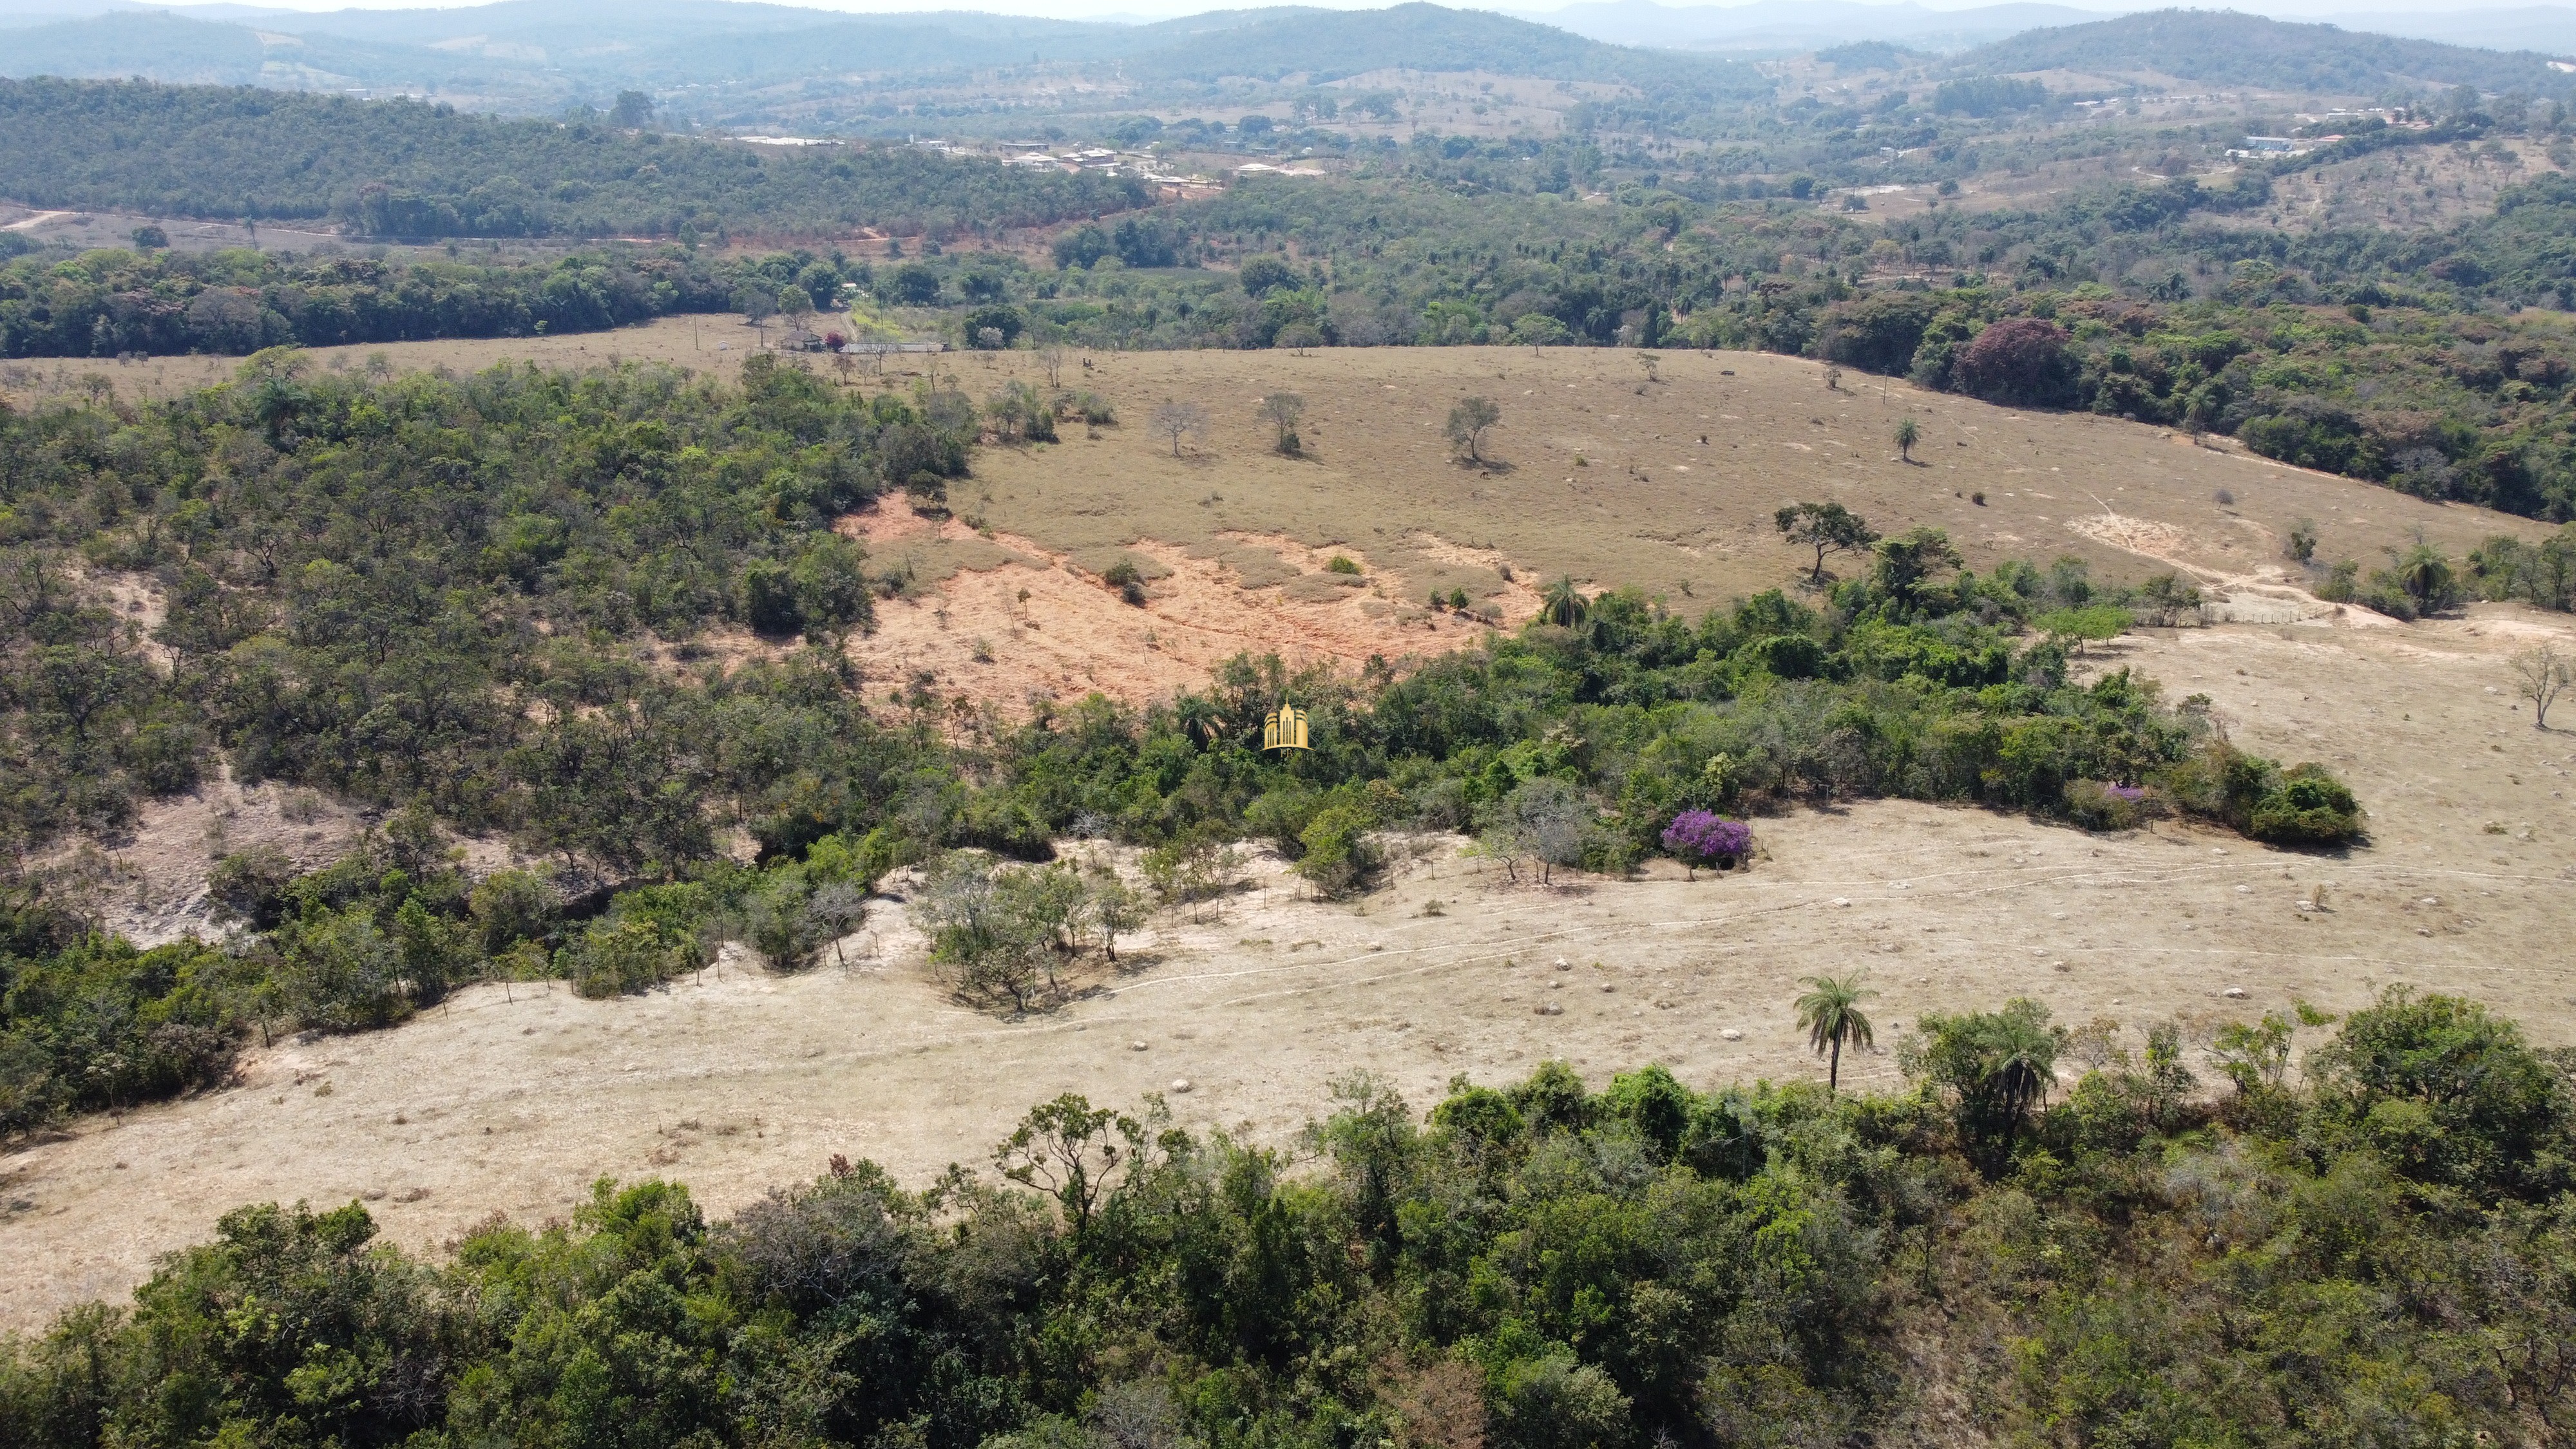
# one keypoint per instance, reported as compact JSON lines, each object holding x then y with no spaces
{"x":1161,"y":9}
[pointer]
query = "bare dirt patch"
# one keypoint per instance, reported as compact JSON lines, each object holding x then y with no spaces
{"x":1006,"y":619}
{"x":744,"y":1079}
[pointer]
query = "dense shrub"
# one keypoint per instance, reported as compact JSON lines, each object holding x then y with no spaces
{"x":2020,"y":362}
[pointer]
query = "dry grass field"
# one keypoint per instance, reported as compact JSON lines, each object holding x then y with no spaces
{"x":512,"y":1101}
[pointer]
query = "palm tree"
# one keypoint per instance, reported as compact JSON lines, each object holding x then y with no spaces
{"x":1563,"y":604}
{"x":2425,"y":576}
{"x":1908,"y":433}
{"x":2023,"y":1065}
{"x":275,"y":405}
{"x":1830,"y":1011}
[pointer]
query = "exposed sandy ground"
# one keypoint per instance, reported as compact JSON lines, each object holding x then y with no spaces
{"x":746,"y":1079}
{"x":1013,"y":620}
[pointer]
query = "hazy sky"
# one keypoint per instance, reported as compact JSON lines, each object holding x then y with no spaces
{"x":1159,"y":9}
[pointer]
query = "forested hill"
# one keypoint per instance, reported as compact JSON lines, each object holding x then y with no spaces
{"x":2225,"y":48}
{"x":186,"y":51}
{"x":1329,"y":45}
{"x":533,"y":48}
{"x":408,"y":169}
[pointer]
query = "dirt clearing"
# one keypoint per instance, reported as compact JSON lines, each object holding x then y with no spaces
{"x":1006,"y":620}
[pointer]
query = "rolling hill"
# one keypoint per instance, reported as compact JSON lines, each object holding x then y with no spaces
{"x":2227,"y":48}
{"x":405,"y":168}
{"x":526,"y":56}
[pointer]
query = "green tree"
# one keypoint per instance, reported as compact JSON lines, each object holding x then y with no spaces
{"x":1283,"y":409}
{"x":1995,"y":1067}
{"x":1562,"y":603}
{"x":1074,"y":1152}
{"x":1908,"y":561}
{"x":1468,"y":423}
{"x":1831,"y":1015}
{"x":2427,"y":577}
{"x":1828,"y":528}
{"x":1908,"y":433}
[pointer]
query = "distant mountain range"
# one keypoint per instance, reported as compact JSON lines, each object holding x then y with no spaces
{"x":1785,"y":26}
{"x":537,"y":56}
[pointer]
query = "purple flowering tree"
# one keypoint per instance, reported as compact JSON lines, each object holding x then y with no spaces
{"x":1697,"y":838}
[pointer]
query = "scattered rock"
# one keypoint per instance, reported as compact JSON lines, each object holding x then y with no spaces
{"x":1548,"y":1008}
{"x":2234,"y":993}
{"x":1181,"y":1084}
{"x":2423,"y":930}
{"x":1731,"y":1034}
{"x":1606,"y":986}
{"x":1564,"y":965}
{"x":1842,"y":900}
{"x":1136,"y":1046}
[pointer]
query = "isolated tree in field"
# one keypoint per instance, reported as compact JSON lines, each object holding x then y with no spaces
{"x":836,"y":910}
{"x":1468,"y":422}
{"x":976,"y":931}
{"x":2541,"y":673}
{"x":1177,"y":420}
{"x":633,"y":111}
{"x":1908,"y":433}
{"x":1115,"y":909}
{"x":1832,"y":1016}
{"x":1545,"y":819}
{"x":1283,"y":409}
{"x":1051,"y":357}
{"x":1828,"y":528}
{"x":1562,"y":603}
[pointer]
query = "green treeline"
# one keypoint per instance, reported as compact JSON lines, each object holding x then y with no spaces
{"x":2374,"y":1249}
{"x":480,"y":604}
{"x":238,"y":301}
{"x":406,"y":169}
{"x":104,"y":303}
